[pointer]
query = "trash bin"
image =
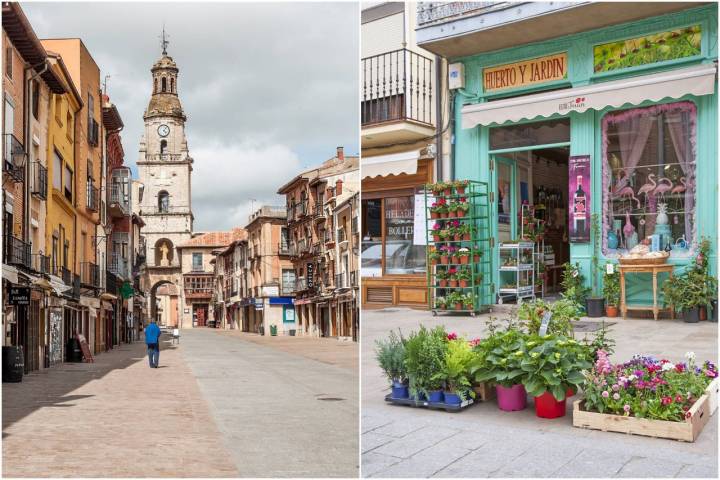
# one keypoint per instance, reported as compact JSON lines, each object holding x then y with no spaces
{"x":13,"y":364}
{"x":273,"y":330}
{"x":292,"y":332}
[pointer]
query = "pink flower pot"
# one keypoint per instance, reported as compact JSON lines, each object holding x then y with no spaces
{"x":512,"y":398}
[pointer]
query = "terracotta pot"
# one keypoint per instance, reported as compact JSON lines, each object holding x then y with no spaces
{"x":434,"y":215}
{"x":451,"y":214}
{"x":443,"y":215}
{"x":434,"y":261}
{"x":436,"y":238}
{"x":452,"y":283}
{"x":448,"y":192}
{"x":442,"y":283}
{"x":466,"y":236}
{"x":454,"y":260}
{"x":460,"y":190}
{"x":703,"y":313}
{"x":611,"y":310}
{"x":460,"y":213}
{"x":444,"y":260}
{"x":463,"y":283}
{"x":464,"y":259}
{"x":476,"y":258}
{"x":458,"y":237}
{"x":458,"y":306}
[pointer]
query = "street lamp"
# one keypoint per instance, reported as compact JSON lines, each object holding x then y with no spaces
{"x":107,"y":228}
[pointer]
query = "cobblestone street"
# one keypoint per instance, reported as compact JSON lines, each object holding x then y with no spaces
{"x":484,"y":441}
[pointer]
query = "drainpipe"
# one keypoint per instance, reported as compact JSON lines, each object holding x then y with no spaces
{"x":438,"y":120}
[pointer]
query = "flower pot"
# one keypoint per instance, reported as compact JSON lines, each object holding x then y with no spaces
{"x":436,"y":238}
{"x":448,"y":192}
{"x":418,"y":397}
{"x":451,"y":214}
{"x":434,"y":215}
{"x":595,"y":307}
{"x":435,"y":396}
{"x":454,"y":260}
{"x":691,"y":315}
{"x":466,"y":236}
{"x":399,"y":390}
{"x":452,"y":399}
{"x":457,"y":237}
{"x":547,"y":407}
{"x":442,"y":283}
{"x":463,"y":283}
{"x":476,"y":258}
{"x":702,"y":312}
{"x":464,"y":260}
{"x":611,"y":311}
{"x":452,"y":283}
{"x":434,"y":261}
{"x":460,"y":190}
{"x":511,"y":399}
{"x":458,"y":306}
{"x":714,"y":316}
{"x":444,"y":259}
{"x":460,"y":213}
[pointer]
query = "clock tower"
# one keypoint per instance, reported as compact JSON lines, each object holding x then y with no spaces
{"x":164,"y":169}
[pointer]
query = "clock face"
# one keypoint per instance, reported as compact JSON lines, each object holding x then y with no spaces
{"x":163,"y":130}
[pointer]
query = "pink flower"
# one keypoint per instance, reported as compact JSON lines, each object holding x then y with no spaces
{"x":475,"y":342}
{"x":603,"y":365}
{"x":605,"y":394}
{"x":626,"y":408}
{"x":616,"y":387}
{"x":616,"y":396}
{"x":452,"y":336}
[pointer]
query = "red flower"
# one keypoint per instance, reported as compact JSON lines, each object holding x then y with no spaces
{"x":678,"y":398}
{"x":666,"y":400}
{"x":452,"y":336}
{"x":679,"y":367}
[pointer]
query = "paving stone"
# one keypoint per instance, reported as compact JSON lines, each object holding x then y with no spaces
{"x":371,"y":440}
{"x":467,"y":440}
{"x":400,"y":428}
{"x":371,"y":422}
{"x":426,"y":462}
{"x":698,"y":471}
{"x":414,"y":442}
{"x":541,"y":460}
{"x":486,"y":459}
{"x":373,"y":463}
{"x":649,"y":467}
{"x":592,"y":463}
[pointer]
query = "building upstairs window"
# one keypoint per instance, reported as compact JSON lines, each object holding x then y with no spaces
{"x":36,"y":99}
{"x":163,"y":202}
{"x":172,"y":85}
{"x":163,"y":84}
{"x":8,"y":62}
{"x":163,"y":146}
{"x":68,"y":183}
{"x":197,"y":262}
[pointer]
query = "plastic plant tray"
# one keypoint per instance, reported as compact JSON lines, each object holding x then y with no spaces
{"x":409,"y":402}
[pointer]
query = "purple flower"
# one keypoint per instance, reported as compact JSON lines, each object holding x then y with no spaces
{"x":605,"y":394}
{"x":626,"y":408}
{"x":639,"y":373}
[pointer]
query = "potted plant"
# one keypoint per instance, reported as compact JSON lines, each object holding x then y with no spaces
{"x":455,"y":372}
{"x":611,"y":291}
{"x":444,"y":255}
{"x":463,"y":276}
{"x":573,"y":284}
{"x":436,"y":188}
{"x":498,"y":360}
{"x":452,"y":251}
{"x":447,"y":188}
{"x":440,"y":303}
{"x":433,"y":255}
{"x":469,"y":301}
{"x":452,"y":209}
{"x":451,"y":277}
{"x":436,"y":228}
{"x":460,"y":186}
{"x":390,"y":355}
{"x":595,"y":302}
{"x":552,"y":366}
{"x":444,"y":234}
{"x":563,"y":314}
{"x":476,"y":254}
{"x":424,"y":359}
{"x":464,"y":255}
{"x":434,"y":211}
{"x":462,"y":208}
{"x":442,"y":278}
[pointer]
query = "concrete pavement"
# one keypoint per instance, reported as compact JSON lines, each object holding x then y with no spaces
{"x":280,"y":414}
{"x":486,"y":442}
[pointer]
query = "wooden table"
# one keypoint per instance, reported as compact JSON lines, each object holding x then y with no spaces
{"x":654,"y":269}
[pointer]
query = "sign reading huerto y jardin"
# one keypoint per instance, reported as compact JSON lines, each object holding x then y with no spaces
{"x":679,"y":43}
{"x":527,"y":72}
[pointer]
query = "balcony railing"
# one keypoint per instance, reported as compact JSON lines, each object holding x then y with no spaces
{"x":93,"y":134}
{"x":438,"y":12}
{"x":93,"y":197}
{"x":165,"y":210}
{"x":17,"y":252}
{"x":397,"y":85}
{"x":317,"y":248}
{"x":66,"y":275}
{"x":300,"y":284}
{"x":119,"y":196}
{"x":118,"y":265}
{"x":319,"y":211}
{"x":290,"y":212}
{"x":301,"y":209}
{"x":341,"y":235}
{"x":111,"y":282}
{"x":340,"y":280}
{"x":39,"y":181}
{"x":40,"y":263}
{"x":13,"y":157}
{"x":89,"y":274}
{"x":328,"y":236}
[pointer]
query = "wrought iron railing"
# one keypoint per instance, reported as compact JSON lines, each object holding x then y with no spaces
{"x":13,"y":157}
{"x":39,"y":180}
{"x":319,"y":210}
{"x":89,"y":274}
{"x":284,"y":248}
{"x":301,"y":284}
{"x":66,"y":275}
{"x":40,"y":263}
{"x":17,"y":252}
{"x":328,"y":236}
{"x":340,"y":280}
{"x":111,"y":282}
{"x":341,"y":235}
{"x":93,"y":197}
{"x":118,"y":265}
{"x":397,"y":85}
{"x":119,"y":196}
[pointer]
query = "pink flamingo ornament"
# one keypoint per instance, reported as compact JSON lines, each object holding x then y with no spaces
{"x":664,"y":185}
{"x":678,"y":189}
{"x":648,"y":187}
{"x":627,"y":192}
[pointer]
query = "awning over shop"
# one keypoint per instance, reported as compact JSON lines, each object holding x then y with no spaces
{"x":57,"y":285}
{"x":90,"y":302}
{"x":394,"y":164}
{"x":696,"y":80}
{"x":10,"y":273}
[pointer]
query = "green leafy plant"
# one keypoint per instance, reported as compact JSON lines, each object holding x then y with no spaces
{"x":554,"y":363}
{"x":441,"y":303}
{"x":452,"y":207}
{"x":425,"y":358}
{"x":611,"y":287}
{"x":499,"y":356}
{"x":600,"y":341}
{"x":468,"y":301}
{"x":390,"y":355}
{"x":696,"y":287}
{"x":463,"y":274}
{"x":563,"y":313}
{"x":573,"y":284}
{"x":595,"y":227}
{"x":455,"y":373}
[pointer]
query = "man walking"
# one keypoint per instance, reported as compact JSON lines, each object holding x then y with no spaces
{"x":152,"y":339}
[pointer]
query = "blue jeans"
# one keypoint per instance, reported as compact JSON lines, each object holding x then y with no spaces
{"x":153,"y":354}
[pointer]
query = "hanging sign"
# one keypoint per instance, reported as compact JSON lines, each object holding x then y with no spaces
{"x":579,"y":196}
{"x":310,"y":268}
{"x":19,"y":296}
{"x":525,"y":73}
{"x":126,"y":290}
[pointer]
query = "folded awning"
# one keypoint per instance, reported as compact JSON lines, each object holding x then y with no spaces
{"x":696,"y":80}
{"x":10,"y":273}
{"x":58,"y":286}
{"x":393,"y":164}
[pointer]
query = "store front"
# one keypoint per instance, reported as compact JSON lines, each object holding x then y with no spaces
{"x":616,"y":127}
{"x":393,"y":251}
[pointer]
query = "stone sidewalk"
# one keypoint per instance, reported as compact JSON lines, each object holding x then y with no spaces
{"x":113,"y":418}
{"x":483,"y":441}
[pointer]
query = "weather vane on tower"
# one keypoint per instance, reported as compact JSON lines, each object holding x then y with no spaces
{"x":165,"y":41}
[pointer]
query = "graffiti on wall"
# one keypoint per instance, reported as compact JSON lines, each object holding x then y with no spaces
{"x":56,"y":322}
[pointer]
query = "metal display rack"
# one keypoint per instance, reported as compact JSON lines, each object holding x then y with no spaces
{"x":519,"y":262}
{"x":479,"y":285}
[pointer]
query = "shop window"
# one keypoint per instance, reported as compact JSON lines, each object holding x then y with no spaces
{"x":649,"y":177}
{"x":372,"y":238}
{"x":530,"y":134}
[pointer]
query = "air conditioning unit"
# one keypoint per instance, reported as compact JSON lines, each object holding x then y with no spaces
{"x":456,"y":76}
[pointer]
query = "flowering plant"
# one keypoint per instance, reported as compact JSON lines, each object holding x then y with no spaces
{"x":438,"y":207}
{"x":455,"y":371}
{"x":645,"y":387}
{"x":437,"y":227}
{"x":463,"y":205}
{"x":433,"y":253}
{"x":452,"y":207}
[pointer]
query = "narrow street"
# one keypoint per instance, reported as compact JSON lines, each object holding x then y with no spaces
{"x":484,"y":441}
{"x":218,"y":406}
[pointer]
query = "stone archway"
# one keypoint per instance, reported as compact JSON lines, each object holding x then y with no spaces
{"x":166,"y":287}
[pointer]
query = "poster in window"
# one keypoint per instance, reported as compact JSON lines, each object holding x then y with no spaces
{"x":579,"y":196}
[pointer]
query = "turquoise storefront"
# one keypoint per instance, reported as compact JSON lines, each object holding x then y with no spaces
{"x":640,"y":99}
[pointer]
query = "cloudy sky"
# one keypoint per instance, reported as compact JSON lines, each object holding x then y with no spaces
{"x":268,"y":88}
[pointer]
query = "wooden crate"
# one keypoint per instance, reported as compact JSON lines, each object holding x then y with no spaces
{"x":712,"y":391}
{"x":484,"y":392}
{"x":686,"y":431}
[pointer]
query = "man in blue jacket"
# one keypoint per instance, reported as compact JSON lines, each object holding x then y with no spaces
{"x":152,"y":339}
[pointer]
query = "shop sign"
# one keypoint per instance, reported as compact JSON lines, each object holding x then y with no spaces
{"x":310,"y":268}
{"x":579,"y":196}
{"x":525,"y":73}
{"x":19,"y":296}
{"x":659,"y":47}
{"x":288,"y":314}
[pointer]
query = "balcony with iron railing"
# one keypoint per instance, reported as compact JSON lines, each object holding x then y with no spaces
{"x":40,"y":263}
{"x":118,"y":265}
{"x":301,"y":284}
{"x":165,"y":210}
{"x":89,"y":275}
{"x":119,"y":201}
{"x":66,"y":275}
{"x":164,"y":157}
{"x":301,"y":209}
{"x":16,"y":251}
{"x":319,"y":211}
{"x":284,"y":248}
{"x":397,"y":97}
{"x":39,"y":181}
{"x":13,"y":157}
{"x":317,"y":248}
{"x":112,"y":282}
{"x":93,"y":197}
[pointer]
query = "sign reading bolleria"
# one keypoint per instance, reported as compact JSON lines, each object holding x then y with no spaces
{"x":528,"y":72}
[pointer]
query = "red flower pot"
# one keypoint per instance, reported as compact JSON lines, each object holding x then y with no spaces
{"x":451,"y":214}
{"x":460,"y":213}
{"x":444,"y":260}
{"x":611,"y":311}
{"x":463,"y":283}
{"x":460,"y":190}
{"x":442,"y":283}
{"x":464,"y":260}
{"x":453,"y":283}
{"x":434,"y":215}
{"x":448,"y":192}
{"x":458,"y":237}
{"x":547,"y":407}
{"x":466,"y":236}
{"x":476,"y":258}
{"x":458,"y":306}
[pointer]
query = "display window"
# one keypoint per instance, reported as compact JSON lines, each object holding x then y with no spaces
{"x":388,"y":246}
{"x":649,"y":178}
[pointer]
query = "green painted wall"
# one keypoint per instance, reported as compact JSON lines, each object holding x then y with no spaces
{"x":470,"y":146}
